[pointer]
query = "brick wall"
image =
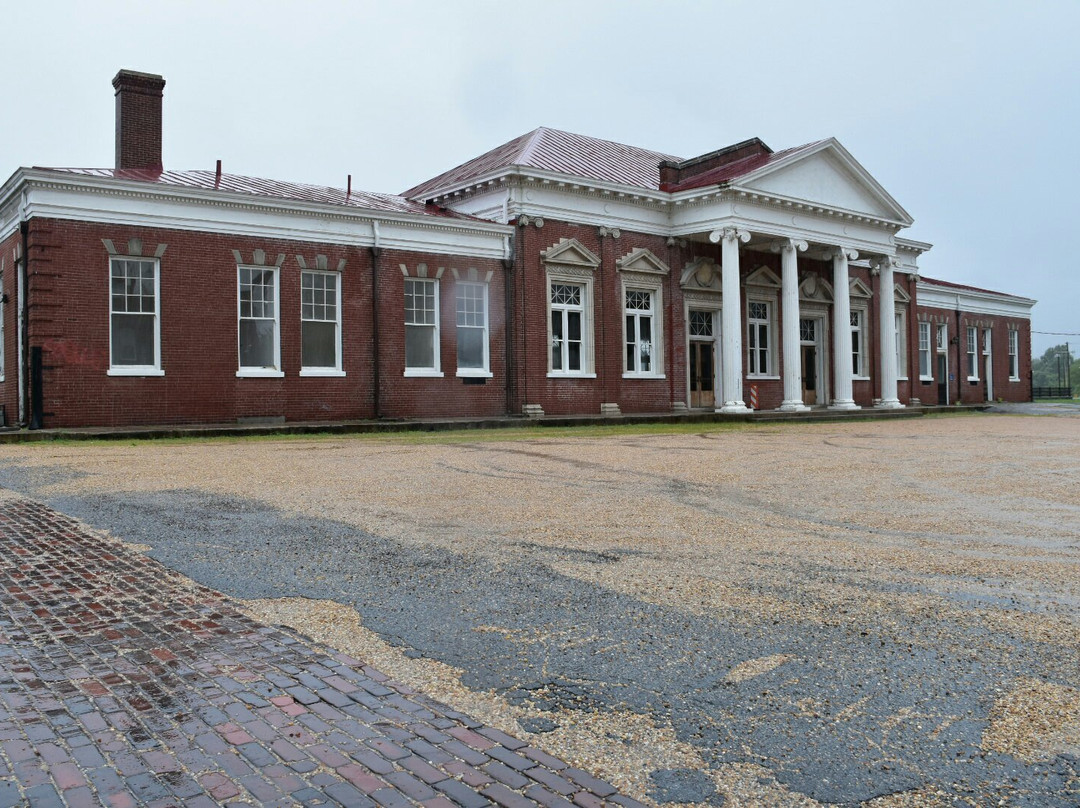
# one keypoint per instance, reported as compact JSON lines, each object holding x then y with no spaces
{"x":69,"y":319}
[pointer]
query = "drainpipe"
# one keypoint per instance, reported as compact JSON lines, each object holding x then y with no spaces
{"x":961,"y":346}
{"x":376,"y":250}
{"x":509,"y":250}
{"x":24,"y":315}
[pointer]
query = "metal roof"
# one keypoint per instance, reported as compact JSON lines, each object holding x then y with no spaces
{"x":737,"y":168}
{"x":965,"y":288}
{"x":561,"y":152}
{"x":271,"y":189}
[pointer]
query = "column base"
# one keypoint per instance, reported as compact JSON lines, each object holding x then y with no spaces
{"x":793,"y":406}
{"x":889,"y":404}
{"x":844,"y":404}
{"x":734,"y":407}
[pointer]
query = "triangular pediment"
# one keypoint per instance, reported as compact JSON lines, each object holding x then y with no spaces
{"x":571,"y":252}
{"x":763,"y":276}
{"x":642,"y":260}
{"x":826,"y":176}
{"x":859,"y":289}
{"x":900,"y":294}
{"x":815,"y":288}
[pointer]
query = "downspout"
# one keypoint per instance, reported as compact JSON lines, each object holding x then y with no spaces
{"x":509,"y":248}
{"x":961,"y":347}
{"x":23,"y":304}
{"x":376,"y":250}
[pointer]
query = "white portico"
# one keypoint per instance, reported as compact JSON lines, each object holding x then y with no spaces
{"x":814,"y":203}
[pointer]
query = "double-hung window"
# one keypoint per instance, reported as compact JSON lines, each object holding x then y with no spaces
{"x":924,"y":351}
{"x":973,"y":354}
{"x":422,"y":327}
{"x":900,"y":338}
{"x":858,"y":344}
{"x":640,"y":343}
{"x":134,"y":317}
{"x":260,"y":347}
{"x":568,"y":328}
{"x":320,"y":323}
{"x":758,"y":344}
{"x":472,"y":329}
{"x":1014,"y":355}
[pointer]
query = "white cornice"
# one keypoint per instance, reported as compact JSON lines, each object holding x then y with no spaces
{"x":972,"y":301}
{"x":107,"y":200}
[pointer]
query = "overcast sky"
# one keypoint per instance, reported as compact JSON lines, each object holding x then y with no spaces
{"x":968,"y":113}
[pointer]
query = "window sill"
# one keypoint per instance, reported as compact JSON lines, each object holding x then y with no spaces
{"x":423,"y":373}
{"x":860,"y":378}
{"x":973,"y":378}
{"x":259,"y":373}
{"x":902,"y":378}
{"x":475,"y":374}
{"x":1011,"y":378}
{"x":571,"y":375}
{"x":762,"y":377}
{"x":321,"y":372}
{"x":926,"y":378}
{"x":135,"y":371}
{"x":644,"y":376}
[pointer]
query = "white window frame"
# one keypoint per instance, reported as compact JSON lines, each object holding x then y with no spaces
{"x":900,"y":337}
{"x":973,"y":353}
{"x":1014,"y":354}
{"x":859,"y":373}
{"x":770,"y":329}
{"x":434,"y":371}
{"x":137,"y":370}
{"x":485,"y":371}
{"x":253,"y":372}
{"x":924,"y":351}
{"x":572,"y":278}
{"x":653,"y":286}
{"x":327,"y":371}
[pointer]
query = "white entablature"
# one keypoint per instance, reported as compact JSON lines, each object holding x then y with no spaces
{"x":818,"y":194}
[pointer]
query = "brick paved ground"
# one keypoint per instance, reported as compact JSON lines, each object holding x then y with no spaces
{"x":122,"y":683}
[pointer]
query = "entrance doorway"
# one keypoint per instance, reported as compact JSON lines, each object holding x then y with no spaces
{"x":942,"y":345}
{"x":701,"y":358}
{"x":702,"y":374}
{"x":810,"y":361}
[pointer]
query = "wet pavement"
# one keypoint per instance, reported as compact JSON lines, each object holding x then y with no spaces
{"x":123,"y":683}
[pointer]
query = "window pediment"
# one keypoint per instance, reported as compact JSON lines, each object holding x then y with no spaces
{"x":859,"y":289}
{"x":901,"y":294}
{"x":816,"y":288}
{"x":701,"y":274}
{"x":569,"y":252}
{"x":642,"y":260}
{"x":763,"y":276}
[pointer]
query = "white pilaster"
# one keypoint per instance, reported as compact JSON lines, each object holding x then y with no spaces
{"x":887,"y":325}
{"x":843,"y":398}
{"x":731,"y":325}
{"x":789,"y":292}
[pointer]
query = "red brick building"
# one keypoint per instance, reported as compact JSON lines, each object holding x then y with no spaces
{"x":556,"y":274}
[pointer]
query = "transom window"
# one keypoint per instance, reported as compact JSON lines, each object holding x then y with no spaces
{"x":701,"y":324}
{"x":639,"y":331}
{"x":472,"y":328}
{"x":567,"y":331}
{"x":758,"y":341}
{"x":900,"y":338}
{"x":320,"y":321}
{"x":258,"y":298}
{"x":942,"y":338}
{"x":808,"y":330}
{"x":421,"y":325}
{"x":134,"y":333}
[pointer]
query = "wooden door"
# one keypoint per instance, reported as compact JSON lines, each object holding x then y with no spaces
{"x":702,"y":374}
{"x":809,"y":374}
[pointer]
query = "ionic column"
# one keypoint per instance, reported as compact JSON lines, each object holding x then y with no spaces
{"x":731,"y":317}
{"x":789,"y":296}
{"x":842,"y":361}
{"x":887,"y":328}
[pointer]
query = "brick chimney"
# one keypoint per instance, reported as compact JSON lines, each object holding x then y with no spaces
{"x":138,"y":119}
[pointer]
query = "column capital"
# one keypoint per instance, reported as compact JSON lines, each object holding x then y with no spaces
{"x":843,"y":252}
{"x":732,"y":233}
{"x":880,"y":262}
{"x":789,"y":244}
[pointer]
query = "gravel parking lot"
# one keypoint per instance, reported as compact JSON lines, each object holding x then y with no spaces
{"x":878,"y":612}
